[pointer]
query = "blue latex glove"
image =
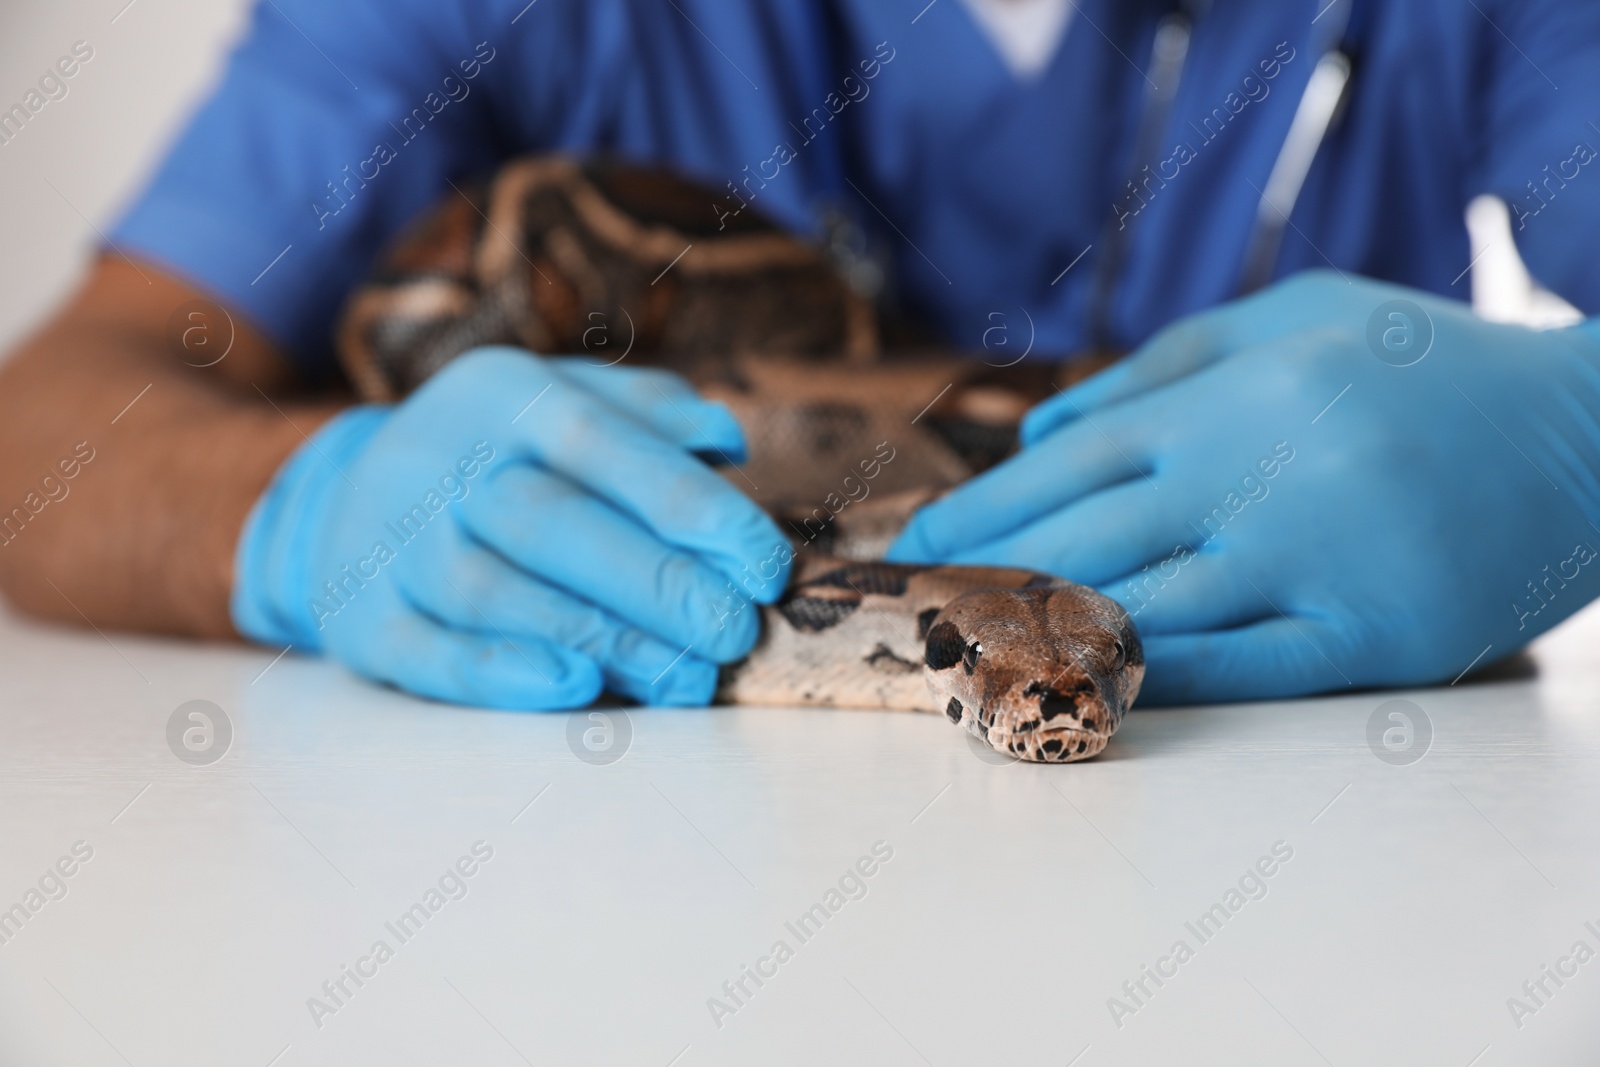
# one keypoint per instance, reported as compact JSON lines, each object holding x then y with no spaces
{"x":1285,"y":512}
{"x":518,"y":533}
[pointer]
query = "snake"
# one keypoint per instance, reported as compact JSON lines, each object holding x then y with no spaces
{"x":854,"y":418}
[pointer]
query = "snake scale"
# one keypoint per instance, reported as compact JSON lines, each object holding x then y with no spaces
{"x":851,"y":425}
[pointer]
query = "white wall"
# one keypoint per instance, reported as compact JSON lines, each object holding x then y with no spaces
{"x":98,"y":142}
{"x":154,"y":58}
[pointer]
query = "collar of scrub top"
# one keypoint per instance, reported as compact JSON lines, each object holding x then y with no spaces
{"x":1320,"y":106}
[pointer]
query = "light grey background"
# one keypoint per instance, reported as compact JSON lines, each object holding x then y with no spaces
{"x":99,"y":142}
{"x":154,"y":59}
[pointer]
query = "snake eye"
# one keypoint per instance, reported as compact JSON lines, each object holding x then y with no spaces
{"x":970,"y":656}
{"x":945,"y":646}
{"x":1122,"y":656}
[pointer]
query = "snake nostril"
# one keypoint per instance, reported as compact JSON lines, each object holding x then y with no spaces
{"x":1052,"y":701}
{"x":1052,"y":704}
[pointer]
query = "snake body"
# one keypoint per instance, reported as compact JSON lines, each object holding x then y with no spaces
{"x":616,"y":261}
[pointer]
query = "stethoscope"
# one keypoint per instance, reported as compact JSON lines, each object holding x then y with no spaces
{"x":1321,"y":104}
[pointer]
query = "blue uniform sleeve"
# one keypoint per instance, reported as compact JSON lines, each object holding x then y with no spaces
{"x":1543,"y":137}
{"x":333,"y":126}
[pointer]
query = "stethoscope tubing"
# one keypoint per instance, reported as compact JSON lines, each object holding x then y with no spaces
{"x":1318,"y":111}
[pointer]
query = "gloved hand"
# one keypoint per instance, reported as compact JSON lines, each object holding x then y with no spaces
{"x":518,"y":533}
{"x":1285,"y":508}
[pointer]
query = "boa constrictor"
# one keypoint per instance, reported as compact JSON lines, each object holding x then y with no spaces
{"x":851,"y":426}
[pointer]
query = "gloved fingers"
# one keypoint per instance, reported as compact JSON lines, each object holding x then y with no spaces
{"x":641,"y":668}
{"x":664,"y":402}
{"x":571,"y":431}
{"x":422,"y":656}
{"x":552,"y":528}
{"x":1102,"y":536}
{"x":1193,"y":343}
{"x":470,"y":588}
{"x":1276,"y":657}
{"x":1080,"y":460}
{"x":1186,"y":346}
{"x":1188,"y":591}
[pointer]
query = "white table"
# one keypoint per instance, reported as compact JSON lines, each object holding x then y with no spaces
{"x":1018,"y":899}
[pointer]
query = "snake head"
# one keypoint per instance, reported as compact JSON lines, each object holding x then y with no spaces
{"x":1044,"y":673}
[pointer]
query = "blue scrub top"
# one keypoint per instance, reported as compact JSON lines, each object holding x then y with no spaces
{"x":337,"y":123}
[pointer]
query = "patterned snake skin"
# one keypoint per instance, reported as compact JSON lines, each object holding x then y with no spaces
{"x":614,"y":262}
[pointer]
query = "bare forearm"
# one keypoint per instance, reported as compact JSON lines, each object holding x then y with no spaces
{"x":165,"y":460}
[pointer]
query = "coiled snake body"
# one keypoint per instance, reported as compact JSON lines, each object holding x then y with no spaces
{"x":845,"y":441}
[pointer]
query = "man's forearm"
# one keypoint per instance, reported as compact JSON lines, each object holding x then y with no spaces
{"x":125,"y":474}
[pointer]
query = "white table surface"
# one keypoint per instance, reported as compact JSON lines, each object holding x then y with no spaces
{"x":1018,"y":898}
